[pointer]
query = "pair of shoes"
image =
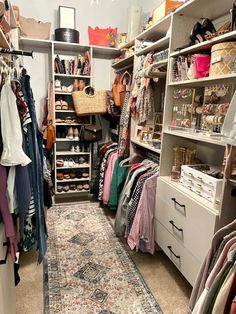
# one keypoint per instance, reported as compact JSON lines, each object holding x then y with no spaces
{"x":73,"y":134}
{"x":85,"y":175}
{"x":78,"y":85}
{"x":201,"y":31}
{"x":81,"y":187}
{"x":70,"y":120}
{"x":75,"y":149}
{"x":60,"y":163}
{"x":61,"y":105}
{"x":59,"y":188}
{"x":69,"y":163}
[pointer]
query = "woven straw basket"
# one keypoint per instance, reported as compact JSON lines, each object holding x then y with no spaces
{"x":223,"y":57}
{"x":86,"y":104}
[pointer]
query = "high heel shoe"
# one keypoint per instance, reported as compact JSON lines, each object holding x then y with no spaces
{"x":70,"y":134}
{"x":233,"y":17}
{"x":76,"y":134}
{"x":196,"y":35}
{"x":207,"y":28}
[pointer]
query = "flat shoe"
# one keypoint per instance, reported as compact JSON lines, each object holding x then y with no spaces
{"x":72,"y":175}
{"x":79,"y":187}
{"x":66,"y":176}
{"x":85,"y":175}
{"x":60,"y":162}
{"x":64,"y":105}
{"x":86,"y":187}
{"x":59,"y":188}
{"x":72,"y":187}
{"x":60,"y":176}
{"x":66,"y":188}
{"x":58,"y":105}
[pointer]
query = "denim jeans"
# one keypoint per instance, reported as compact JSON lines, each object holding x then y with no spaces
{"x":35,"y":152}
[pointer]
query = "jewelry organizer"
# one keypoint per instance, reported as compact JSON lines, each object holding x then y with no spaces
{"x":201,"y":110}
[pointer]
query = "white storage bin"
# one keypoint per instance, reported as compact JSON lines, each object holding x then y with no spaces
{"x":201,"y":183}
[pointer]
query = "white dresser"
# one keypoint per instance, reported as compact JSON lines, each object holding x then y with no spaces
{"x":7,"y":283}
{"x":184,"y":227}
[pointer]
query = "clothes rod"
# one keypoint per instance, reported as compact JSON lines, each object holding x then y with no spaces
{"x":16,"y":52}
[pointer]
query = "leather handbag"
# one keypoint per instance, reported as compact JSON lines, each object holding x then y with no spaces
{"x":119,"y":88}
{"x":91,"y":133}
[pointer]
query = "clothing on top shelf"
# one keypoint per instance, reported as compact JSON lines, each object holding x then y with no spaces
{"x":212,"y":290}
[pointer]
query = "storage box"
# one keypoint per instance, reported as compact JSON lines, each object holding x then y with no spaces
{"x":223,"y":58}
{"x":201,"y":183}
{"x":164,"y":9}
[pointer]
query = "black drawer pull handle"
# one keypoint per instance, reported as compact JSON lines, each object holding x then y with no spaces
{"x":172,"y":223}
{"x":174,"y":200}
{"x":4,"y":261}
{"x":170,"y":248}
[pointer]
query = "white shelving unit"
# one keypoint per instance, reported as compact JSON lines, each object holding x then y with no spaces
{"x":63,"y":145}
{"x":189,"y":211}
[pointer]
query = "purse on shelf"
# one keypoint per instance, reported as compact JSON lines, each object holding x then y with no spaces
{"x":102,"y":36}
{"x":92,"y":133}
{"x":90,"y":101}
{"x":201,"y":65}
{"x":119,"y":88}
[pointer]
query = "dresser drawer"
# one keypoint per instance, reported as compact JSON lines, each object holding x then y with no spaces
{"x":189,"y":222}
{"x":187,"y":264}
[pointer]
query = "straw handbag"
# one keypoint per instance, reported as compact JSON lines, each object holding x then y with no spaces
{"x":90,"y":101}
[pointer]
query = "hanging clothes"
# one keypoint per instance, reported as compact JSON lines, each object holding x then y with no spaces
{"x":143,"y":223}
{"x":35,"y":151}
{"x":108,"y":176}
{"x":117,"y":183}
{"x":202,"y":297}
{"x":13,"y":153}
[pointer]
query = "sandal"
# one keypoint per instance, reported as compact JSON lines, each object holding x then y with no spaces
{"x":60,"y":176}
{"x":66,"y":176}
{"x":72,"y":175}
{"x":60,"y":162}
{"x":58,"y":105}
{"x":86,"y":187}
{"x":85,"y":175}
{"x":59,"y":188}
{"x":59,"y":120}
{"x":64,"y":105}
{"x":72,"y":187}
{"x":79,"y":187}
{"x":66,"y":188}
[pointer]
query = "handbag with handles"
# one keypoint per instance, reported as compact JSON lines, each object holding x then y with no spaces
{"x":92,"y":133}
{"x":102,"y":36}
{"x":119,"y":88}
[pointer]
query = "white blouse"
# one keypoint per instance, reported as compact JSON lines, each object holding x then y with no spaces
{"x":12,"y":139}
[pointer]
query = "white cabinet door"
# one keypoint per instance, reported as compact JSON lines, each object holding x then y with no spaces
{"x":7,"y":282}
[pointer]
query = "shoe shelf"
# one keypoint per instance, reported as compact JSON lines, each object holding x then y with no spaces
{"x":65,"y":111}
{"x":82,"y":166}
{"x":69,"y":153}
{"x":69,"y":124}
{"x":72,"y":76}
{"x":156,"y":46}
{"x":206,"y":81}
{"x":148,"y":147}
{"x":158,"y":29}
{"x":63,"y":93}
{"x":73,"y":180}
{"x":72,"y":192}
{"x":197,"y":137}
{"x":205,"y":45}
{"x":67,"y":140}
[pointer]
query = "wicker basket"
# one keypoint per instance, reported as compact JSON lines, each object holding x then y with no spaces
{"x":223,"y":57}
{"x":86,"y":104}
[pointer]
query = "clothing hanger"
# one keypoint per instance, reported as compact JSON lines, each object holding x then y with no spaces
{"x":124,"y":161}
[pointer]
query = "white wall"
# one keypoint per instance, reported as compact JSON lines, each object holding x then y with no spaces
{"x":106,"y":13}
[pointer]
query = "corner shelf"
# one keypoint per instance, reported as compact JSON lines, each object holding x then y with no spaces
{"x":196,"y":137}
{"x":205,"y":81}
{"x":153,"y":149}
{"x":73,"y":180}
{"x":69,"y":153}
{"x":160,"y":28}
{"x":73,"y":168}
{"x":123,"y":62}
{"x":158,"y":45}
{"x":205,"y":45}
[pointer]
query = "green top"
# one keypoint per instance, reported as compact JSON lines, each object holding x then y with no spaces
{"x":117,"y":183}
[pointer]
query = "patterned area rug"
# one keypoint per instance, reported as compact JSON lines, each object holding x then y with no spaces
{"x":88,"y":269}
